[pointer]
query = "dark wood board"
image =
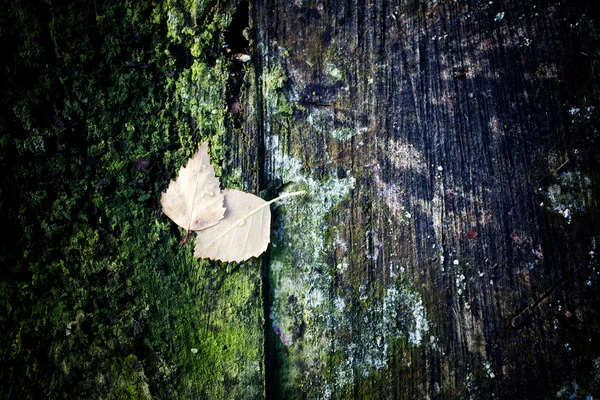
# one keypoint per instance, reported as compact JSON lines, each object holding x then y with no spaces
{"x":446,"y":246}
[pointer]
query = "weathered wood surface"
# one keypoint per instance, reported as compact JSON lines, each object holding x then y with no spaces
{"x":446,"y":248}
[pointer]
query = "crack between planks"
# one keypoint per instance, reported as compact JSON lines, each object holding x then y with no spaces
{"x":269,"y":353}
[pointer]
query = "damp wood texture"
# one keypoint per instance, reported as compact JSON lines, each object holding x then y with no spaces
{"x":451,"y":151}
{"x":445,"y":246}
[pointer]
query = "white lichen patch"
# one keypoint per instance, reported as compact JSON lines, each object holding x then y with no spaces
{"x":393,"y":196}
{"x":333,"y":71}
{"x":461,"y":285}
{"x":488,"y":369}
{"x":399,"y":314}
{"x":418,"y":324}
{"x":571,"y":194}
{"x":298,"y":272}
{"x":581,"y":113}
{"x":316,"y":323}
{"x":339,"y":124}
{"x":405,"y":156}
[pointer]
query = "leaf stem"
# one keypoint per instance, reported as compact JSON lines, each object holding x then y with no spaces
{"x":187,"y":232}
{"x":283,"y":196}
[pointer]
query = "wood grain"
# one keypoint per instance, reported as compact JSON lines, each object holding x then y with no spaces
{"x":452,"y":149}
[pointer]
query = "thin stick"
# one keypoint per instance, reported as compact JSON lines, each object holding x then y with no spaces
{"x":562,"y":165}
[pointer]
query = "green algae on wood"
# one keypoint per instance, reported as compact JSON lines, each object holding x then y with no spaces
{"x":100,"y":302}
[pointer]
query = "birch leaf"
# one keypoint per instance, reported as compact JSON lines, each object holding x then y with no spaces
{"x":194,"y":201}
{"x":243,"y":233}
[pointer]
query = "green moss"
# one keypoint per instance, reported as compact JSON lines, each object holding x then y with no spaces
{"x":278,"y":106}
{"x":332,"y":70}
{"x":99,"y":300}
{"x":570,"y":195}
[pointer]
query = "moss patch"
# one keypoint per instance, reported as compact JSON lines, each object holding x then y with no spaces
{"x":102,"y":103}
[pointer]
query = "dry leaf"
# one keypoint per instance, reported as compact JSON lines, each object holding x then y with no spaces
{"x":243,"y":233}
{"x":194,"y":201}
{"x":231,"y":225}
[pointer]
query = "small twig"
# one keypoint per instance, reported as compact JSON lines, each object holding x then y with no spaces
{"x":522,"y":316}
{"x":317,"y":104}
{"x":562,"y":165}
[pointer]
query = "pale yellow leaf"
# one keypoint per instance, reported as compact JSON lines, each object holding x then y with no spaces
{"x":243,"y":233}
{"x":194,"y":200}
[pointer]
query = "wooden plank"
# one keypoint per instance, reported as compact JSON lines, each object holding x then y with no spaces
{"x":446,"y":244}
